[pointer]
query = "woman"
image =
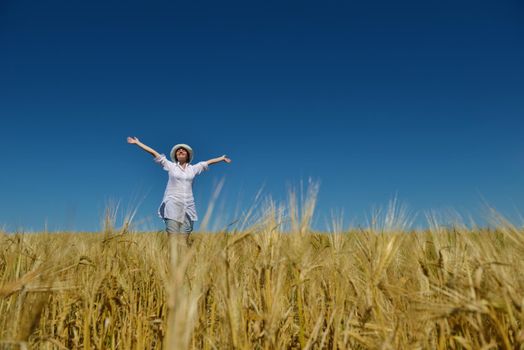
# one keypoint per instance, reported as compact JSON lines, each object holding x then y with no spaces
{"x":178,"y":206}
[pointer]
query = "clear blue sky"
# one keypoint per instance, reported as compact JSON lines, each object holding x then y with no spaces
{"x":423,"y":99}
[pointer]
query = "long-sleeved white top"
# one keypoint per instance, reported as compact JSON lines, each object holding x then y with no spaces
{"x":178,"y":197}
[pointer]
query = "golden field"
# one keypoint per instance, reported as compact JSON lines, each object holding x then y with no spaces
{"x":261,"y":288}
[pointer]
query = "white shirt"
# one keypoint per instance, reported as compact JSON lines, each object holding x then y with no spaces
{"x":178,"y":197}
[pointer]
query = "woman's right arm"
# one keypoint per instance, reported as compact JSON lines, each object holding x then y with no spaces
{"x":134,"y":140}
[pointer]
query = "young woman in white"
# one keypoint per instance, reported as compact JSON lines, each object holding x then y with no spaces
{"x":178,"y":205}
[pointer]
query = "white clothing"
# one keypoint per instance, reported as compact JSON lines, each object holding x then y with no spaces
{"x":178,"y":197}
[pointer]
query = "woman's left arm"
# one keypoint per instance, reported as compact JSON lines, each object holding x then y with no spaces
{"x":224,"y":158}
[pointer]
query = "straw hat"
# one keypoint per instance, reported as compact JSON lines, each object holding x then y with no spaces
{"x":184,"y":146}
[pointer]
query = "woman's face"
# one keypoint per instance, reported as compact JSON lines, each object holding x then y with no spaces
{"x":181,"y":155}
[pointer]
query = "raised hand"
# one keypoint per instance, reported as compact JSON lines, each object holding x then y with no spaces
{"x":135,"y":141}
{"x":132,"y":140}
{"x":226,"y":159}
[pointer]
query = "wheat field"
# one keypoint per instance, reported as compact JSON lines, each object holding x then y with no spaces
{"x":263,"y":288}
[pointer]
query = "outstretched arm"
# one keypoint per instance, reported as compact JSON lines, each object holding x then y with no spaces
{"x":218,"y":160}
{"x":135,"y":141}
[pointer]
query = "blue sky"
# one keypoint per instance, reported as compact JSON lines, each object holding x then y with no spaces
{"x":419,"y":99}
